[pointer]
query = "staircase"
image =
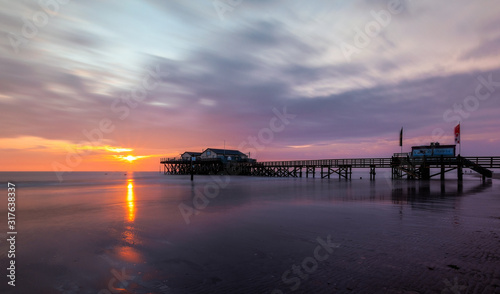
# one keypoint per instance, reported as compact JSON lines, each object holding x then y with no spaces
{"x":407,"y":168}
{"x":477,"y":168}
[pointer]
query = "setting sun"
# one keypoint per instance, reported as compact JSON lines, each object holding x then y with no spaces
{"x":130,"y":158}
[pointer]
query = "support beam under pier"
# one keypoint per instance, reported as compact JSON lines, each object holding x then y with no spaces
{"x":372,"y":171}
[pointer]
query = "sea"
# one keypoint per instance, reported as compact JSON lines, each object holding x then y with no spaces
{"x":146,"y":232}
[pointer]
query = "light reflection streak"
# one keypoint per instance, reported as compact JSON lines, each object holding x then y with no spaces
{"x":127,"y":251}
{"x":130,"y":200}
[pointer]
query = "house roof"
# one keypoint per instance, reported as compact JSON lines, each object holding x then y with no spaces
{"x":225,"y":151}
{"x":192,"y":153}
{"x":435,"y":146}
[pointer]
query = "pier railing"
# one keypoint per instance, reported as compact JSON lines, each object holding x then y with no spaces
{"x":486,"y":161}
{"x":354,"y":162}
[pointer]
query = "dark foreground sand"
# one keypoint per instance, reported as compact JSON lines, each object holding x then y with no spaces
{"x":258,"y":236}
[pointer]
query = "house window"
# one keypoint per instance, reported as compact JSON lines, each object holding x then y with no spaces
{"x":208,"y":153}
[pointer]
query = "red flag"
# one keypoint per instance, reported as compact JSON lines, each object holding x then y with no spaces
{"x":457,"y":134}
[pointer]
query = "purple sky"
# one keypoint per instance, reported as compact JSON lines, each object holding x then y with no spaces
{"x":351,"y":73}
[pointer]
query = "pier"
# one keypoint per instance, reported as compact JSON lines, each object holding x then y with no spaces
{"x":401,"y":166}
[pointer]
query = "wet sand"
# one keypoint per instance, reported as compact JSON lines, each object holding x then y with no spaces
{"x":126,"y":234}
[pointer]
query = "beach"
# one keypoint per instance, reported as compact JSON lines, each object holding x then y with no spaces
{"x":126,"y":232}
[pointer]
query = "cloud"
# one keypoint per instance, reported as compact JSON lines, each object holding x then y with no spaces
{"x":223,"y":78}
{"x":487,"y":48}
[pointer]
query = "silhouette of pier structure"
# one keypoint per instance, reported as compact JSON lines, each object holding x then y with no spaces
{"x":401,"y":166}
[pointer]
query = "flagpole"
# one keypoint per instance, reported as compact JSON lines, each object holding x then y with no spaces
{"x":458,"y":137}
{"x":401,"y":139}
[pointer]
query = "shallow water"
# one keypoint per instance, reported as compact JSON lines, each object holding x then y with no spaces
{"x":125,"y":233}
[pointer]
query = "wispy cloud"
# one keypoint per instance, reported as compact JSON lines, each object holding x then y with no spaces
{"x":225,"y":77}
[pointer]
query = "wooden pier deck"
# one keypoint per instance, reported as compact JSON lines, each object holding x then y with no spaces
{"x":401,"y":167}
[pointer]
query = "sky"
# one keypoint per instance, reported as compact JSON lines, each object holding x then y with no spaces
{"x":116,"y":85}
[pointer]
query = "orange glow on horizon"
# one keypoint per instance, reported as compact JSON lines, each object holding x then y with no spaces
{"x":117,"y":149}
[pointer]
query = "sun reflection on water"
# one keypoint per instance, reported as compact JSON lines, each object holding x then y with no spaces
{"x":127,"y":251}
{"x":130,"y":200}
